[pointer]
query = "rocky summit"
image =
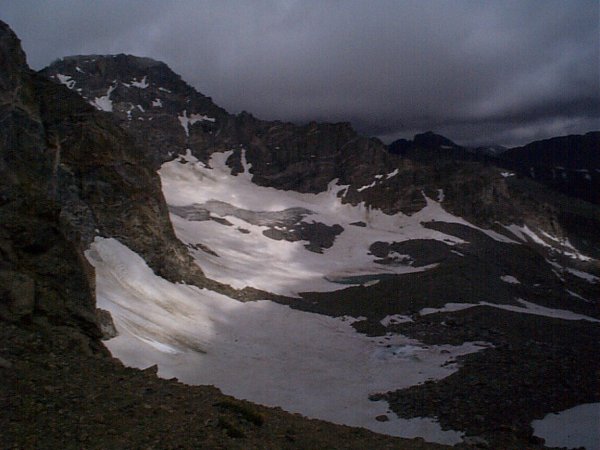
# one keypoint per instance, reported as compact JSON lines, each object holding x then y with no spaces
{"x":176,"y":276}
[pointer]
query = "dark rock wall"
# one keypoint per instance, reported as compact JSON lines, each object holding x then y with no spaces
{"x":70,"y":173}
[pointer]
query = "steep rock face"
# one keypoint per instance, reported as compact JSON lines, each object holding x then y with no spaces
{"x":146,"y":97}
{"x":70,"y":173}
{"x":44,"y":277}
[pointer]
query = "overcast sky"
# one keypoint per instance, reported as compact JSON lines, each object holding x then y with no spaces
{"x":504,"y":72}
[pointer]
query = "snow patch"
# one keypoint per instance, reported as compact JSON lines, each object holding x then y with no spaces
{"x":157,"y":103}
{"x":186,"y":121}
{"x":574,"y":427}
{"x":284,"y":267}
{"x":566,"y":248}
{"x":139,"y":84}
{"x":509,"y":279}
{"x":262,"y":351}
{"x":576,"y":295}
{"x":507,"y":174}
{"x":584,"y":275}
{"x":368,"y":186}
{"x":104,"y":103}
{"x":164,"y":90}
{"x":392,"y":174}
{"x":394,"y":319}
{"x":559,"y":270}
{"x":66,"y":80}
{"x":527,"y":308}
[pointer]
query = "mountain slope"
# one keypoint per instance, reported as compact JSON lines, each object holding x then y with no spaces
{"x":446,"y":251}
{"x":69,"y":174}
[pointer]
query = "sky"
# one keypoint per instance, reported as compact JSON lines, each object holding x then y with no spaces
{"x":478,"y":72}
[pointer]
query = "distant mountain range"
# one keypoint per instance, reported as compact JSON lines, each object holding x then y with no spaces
{"x":569,"y":164}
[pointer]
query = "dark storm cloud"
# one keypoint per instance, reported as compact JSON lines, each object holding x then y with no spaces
{"x":504,"y":72}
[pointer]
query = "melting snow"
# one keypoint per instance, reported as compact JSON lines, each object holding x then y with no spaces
{"x":528,"y":308}
{"x":140,"y":84}
{"x":66,"y":80}
{"x":509,"y":279}
{"x":574,"y":427}
{"x":268,"y":353}
{"x":104,"y":103}
{"x":186,"y":121}
{"x":284,"y":267}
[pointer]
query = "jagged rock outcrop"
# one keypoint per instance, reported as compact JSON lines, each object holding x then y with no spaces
{"x":70,"y":173}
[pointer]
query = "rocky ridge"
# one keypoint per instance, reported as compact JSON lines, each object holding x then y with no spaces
{"x":567,"y":164}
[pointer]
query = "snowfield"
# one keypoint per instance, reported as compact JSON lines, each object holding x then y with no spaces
{"x":251,"y":259}
{"x":262,"y":351}
{"x":266,"y":352}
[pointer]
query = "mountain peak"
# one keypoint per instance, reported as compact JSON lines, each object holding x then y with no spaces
{"x":430,"y":139}
{"x":12,"y":58}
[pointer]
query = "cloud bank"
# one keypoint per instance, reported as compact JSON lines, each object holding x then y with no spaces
{"x":479,"y":72}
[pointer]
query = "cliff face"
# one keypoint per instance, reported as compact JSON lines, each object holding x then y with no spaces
{"x":70,"y":173}
{"x":44,"y":276}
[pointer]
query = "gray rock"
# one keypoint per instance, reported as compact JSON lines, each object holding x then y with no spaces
{"x":17,"y":292}
{"x":107,"y":326}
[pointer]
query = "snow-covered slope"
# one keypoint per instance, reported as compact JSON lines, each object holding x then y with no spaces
{"x":262,"y":351}
{"x":245,"y":235}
